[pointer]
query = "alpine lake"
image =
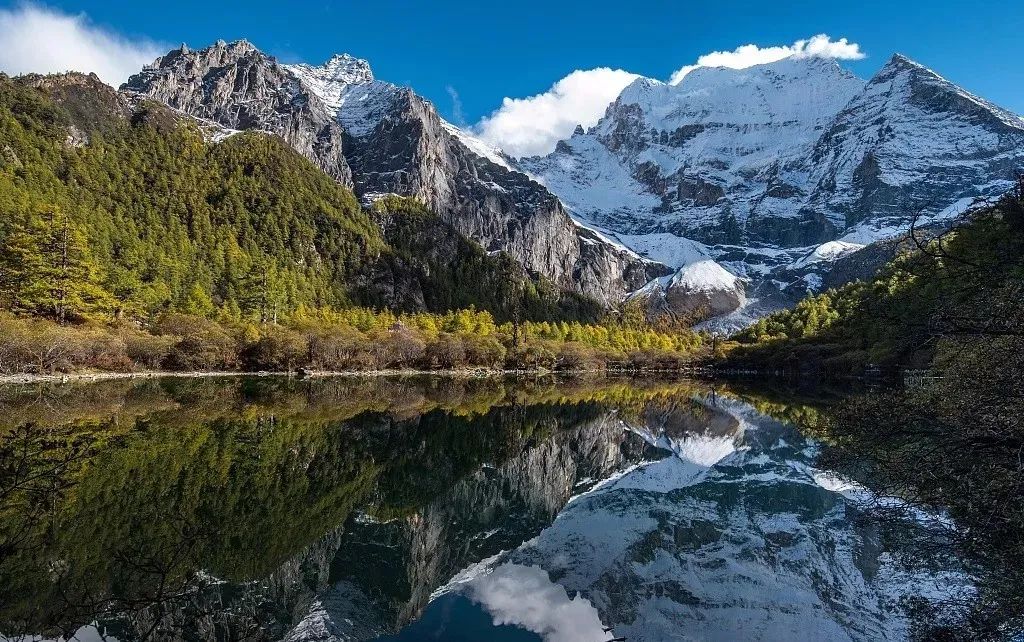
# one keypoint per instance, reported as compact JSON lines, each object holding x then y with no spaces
{"x":452,"y":508}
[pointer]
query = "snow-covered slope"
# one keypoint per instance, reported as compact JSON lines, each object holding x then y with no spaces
{"x":700,"y":156}
{"x":346,"y":85}
{"x":912,"y":143}
{"x":768,"y":166}
{"x":696,"y":291}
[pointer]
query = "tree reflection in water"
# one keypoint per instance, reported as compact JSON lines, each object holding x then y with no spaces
{"x":267,"y":508}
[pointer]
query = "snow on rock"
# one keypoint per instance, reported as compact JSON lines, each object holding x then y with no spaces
{"x":347,"y":86}
{"x":699,"y":290}
{"x":704,"y":276}
{"x":911,"y":143}
{"x":477,"y":146}
{"x":666,"y":248}
{"x":784,"y":166}
{"x":827,"y":253}
{"x":682,"y":155}
{"x":331,"y":80}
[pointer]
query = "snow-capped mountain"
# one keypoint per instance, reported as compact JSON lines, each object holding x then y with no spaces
{"x":697,"y":158}
{"x":748,"y":183}
{"x":911,"y":142}
{"x":762,"y":165}
{"x":381,"y":138}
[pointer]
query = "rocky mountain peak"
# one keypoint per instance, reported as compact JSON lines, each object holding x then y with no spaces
{"x":791,"y":69}
{"x":347,"y":69}
{"x":237,"y":86}
{"x":900,"y":61}
{"x":183,"y":62}
{"x":902,"y":66}
{"x":240,"y":47}
{"x":931,"y":92}
{"x":219,"y":53}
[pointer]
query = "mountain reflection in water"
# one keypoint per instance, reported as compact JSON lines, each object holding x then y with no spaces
{"x":427,"y":508}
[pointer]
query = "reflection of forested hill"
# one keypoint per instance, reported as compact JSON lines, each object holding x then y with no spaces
{"x":130,"y":497}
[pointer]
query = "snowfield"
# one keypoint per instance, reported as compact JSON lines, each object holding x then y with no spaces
{"x":784,"y":167}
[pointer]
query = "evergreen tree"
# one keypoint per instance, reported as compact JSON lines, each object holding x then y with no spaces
{"x":47,"y":269}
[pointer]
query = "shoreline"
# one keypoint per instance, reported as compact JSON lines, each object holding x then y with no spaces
{"x":89,"y":377}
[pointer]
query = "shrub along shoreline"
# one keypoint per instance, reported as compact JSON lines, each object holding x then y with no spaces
{"x":356,"y":340}
{"x":93,"y":376}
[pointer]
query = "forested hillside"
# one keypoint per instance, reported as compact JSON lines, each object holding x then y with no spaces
{"x":119,"y":209}
{"x":943,"y":297}
{"x":139,"y":214}
{"x":134,"y":237}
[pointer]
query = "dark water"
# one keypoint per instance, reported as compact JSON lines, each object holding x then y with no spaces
{"x":439,"y":509}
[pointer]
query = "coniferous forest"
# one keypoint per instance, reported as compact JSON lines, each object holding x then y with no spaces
{"x":130,"y":239}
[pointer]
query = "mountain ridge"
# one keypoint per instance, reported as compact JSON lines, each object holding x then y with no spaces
{"x":762,"y":165}
{"x":386,"y":139}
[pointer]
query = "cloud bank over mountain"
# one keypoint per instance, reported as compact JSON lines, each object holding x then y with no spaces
{"x":532,"y":126}
{"x":749,"y":55}
{"x":42,"y":40}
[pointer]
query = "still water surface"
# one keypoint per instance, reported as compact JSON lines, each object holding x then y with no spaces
{"x":433,"y":508}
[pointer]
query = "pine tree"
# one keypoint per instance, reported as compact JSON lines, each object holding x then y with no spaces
{"x":47,"y":269}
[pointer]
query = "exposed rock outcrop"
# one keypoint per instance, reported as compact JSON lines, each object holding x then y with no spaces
{"x":236,"y":85}
{"x":386,"y":139}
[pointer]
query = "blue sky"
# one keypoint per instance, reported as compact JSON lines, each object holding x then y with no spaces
{"x":485,"y":51}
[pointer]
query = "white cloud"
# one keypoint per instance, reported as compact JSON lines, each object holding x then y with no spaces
{"x":529,"y":126}
{"x":524,"y":596}
{"x":750,"y":55}
{"x":457,"y":114}
{"x":43,"y":40}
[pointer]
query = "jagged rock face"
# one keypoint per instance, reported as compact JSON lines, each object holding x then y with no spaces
{"x":912,"y":143}
{"x":766,"y":163}
{"x":393,"y":141}
{"x":410,"y":150}
{"x":236,"y":85}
